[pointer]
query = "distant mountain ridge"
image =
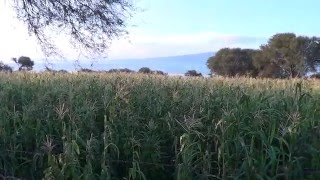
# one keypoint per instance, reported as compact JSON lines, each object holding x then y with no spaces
{"x":172,"y":64}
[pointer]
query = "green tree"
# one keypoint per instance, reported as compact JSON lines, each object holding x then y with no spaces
{"x":158,"y":72}
{"x":125,"y":70}
{"x":53,"y":71}
{"x":290,"y":55}
{"x":86,"y":70}
{"x":285,"y":55}
{"x":25,"y":63}
{"x":264,"y":65}
{"x":92,"y":24}
{"x":63,"y":71}
{"x":286,"y":50}
{"x":312,"y":53}
{"x":192,"y":73}
{"x":232,"y":62}
{"x":145,"y":70}
{"x":5,"y":67}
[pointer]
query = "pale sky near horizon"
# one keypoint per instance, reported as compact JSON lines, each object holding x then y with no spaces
{"x":175,"y":27}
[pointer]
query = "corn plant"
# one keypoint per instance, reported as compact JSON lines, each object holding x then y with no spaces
{"x":120,"y":126}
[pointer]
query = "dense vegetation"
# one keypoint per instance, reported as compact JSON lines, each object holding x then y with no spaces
{"x":192,"y":73}
{"x":94,"y":125}
{"x":116,"y":126}
{"x":285,"y":55}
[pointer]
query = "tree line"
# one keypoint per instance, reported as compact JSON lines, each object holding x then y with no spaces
{"x":285,"y":55}
{"x":26,"y":64}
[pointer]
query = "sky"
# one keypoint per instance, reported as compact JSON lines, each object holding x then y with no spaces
{"x":176,"y":27}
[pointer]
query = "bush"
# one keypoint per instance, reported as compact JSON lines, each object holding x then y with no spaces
{"x":125,"y":70}
{"x":192,"y":73}
{"x":315,"y":76}
{"x":157,"y":72}
{"x":86,"y":70}
{"x":25,"y":63}
{"x":145,"y":70}
{"x":5,"y":68}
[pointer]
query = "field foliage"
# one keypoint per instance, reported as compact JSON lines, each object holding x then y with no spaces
{"x":117,"y":126}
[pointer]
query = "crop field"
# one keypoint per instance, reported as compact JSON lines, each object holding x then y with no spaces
{"x":118,"y":126}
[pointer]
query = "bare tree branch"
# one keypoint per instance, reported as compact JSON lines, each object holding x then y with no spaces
{"x":91,"y":24}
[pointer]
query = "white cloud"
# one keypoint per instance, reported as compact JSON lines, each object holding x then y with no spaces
{"x":14,"y":38}
{"x":167,"y":45}
{"x":15,"y":41}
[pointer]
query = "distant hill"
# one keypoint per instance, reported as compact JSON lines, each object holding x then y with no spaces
{"x":171,"y":65}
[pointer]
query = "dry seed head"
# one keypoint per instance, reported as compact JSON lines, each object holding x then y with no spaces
{"x":175,"y":95}
{"x":192,"y":122}
{"x":152,"y":125}
{"x":294,"y":117}
{"x":61,"y":110}
{"x":283,"y":130}
{"x":48,"y":145}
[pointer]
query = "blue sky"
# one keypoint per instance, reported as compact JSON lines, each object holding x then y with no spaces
{"x":245,"y":17}
{"x":175,"y":27}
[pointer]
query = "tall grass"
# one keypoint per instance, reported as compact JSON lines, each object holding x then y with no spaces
{"x":116,"y":126}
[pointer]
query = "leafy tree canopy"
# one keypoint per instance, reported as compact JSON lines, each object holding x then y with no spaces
{"x":24,"y":62}
{"x":285,"y":55}
{"x":192,"y":73}
{"x":289,"y":53}
{"x":5,"y":67}
{"x":232,"y":62}
{"x":145,"y":70}
{"x":125,"y":70}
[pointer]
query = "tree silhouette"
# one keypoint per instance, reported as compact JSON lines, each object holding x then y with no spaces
{"x":315,"y":76}
{"x":24,"y":62}
{"x":145,"y":70}
{"x":5,"y":67}
{"x":158,"y":72}
{"x":232,"y":62}
{"x":86,"y":70}
{"x":192,"y":73}
{"x":285,"y":55}
{"x":125,"y":70}
{"x":92,"y":24}
{"x":288,"y":55}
